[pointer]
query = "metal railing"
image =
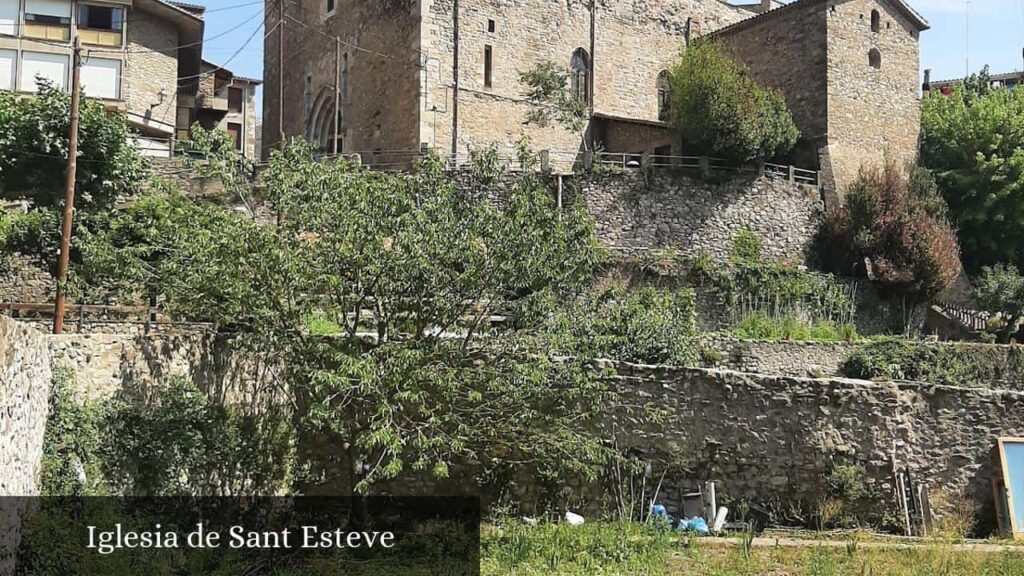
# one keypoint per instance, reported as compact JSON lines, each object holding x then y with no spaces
{"x":573,"y":160}
{"x":975,"y":320}
{"x":84,"y":316}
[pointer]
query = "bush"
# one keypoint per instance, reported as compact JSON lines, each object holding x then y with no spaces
{"x":892,"y":229}
{"x":720,"y":110}
{"x":746,"y":248}
{"x":648,"y":326}
{"x":776,"y":290}
{"x":944,"y":364}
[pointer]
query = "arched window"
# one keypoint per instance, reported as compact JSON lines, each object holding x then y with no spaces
{"x":875,"y":58}
{"x":664,"y":95}
{"x":580,"y":68}
{"x":876,"y":21}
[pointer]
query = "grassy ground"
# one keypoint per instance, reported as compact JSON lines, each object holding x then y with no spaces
{"x":619,"y":549}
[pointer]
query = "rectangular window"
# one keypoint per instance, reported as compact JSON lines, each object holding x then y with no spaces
{"x":52,"y":67}
{"x":8,"y":60}
{"x":100,"y":24}
{"x":329,"y":7}
{"x":9,"y":11}
{"x":99,"y":17}
{"x":101,"y":78}
{"x":235,"y":99}
{"x":490,"y":26}
{"x":48,"y":19}
{"x":488,"y":70}
{"x":235,"y":130}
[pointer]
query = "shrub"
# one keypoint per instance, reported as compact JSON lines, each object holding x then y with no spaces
{"x":892,"y":229}
{"x":648,"y":326}
{"x":777,"y":290}
{"x":720,"y":110}
{"x":746,"y":248}
{"x":944,"y":364}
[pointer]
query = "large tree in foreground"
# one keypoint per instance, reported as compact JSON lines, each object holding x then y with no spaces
{"x":720,"y":110}
{"x":378,"y":291}
{"x":973,"y":140}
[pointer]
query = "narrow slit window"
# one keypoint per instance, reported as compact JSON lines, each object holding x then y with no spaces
{"x":490,"y":26}
{"x":488,"y":66}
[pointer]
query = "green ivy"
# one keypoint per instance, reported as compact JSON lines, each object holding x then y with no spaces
{"x":72,"y":462}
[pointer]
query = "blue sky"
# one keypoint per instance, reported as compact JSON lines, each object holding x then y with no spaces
{"x":996,"y":35}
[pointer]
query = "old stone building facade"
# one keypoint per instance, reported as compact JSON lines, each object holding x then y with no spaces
{"x":402,"y":75}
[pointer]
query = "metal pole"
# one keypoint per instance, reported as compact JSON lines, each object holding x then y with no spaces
{"x":337,"y":96}
{"x":69,"y":192}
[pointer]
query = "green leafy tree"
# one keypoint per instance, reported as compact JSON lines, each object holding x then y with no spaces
{"x":973,"y":141}
{"x":892,"y":229}
{"x":34,"y":149}
{"x":33,"y":160}
{"x":999,"y":289}
{"x":411,"y":269}
{"x":551,"y":99}
{"x":720,"y":110}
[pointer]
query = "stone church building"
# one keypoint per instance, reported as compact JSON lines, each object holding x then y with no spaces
{"x":390,"y":77}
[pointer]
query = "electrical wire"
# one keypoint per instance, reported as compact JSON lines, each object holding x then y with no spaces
{"x":237,"y":52}
{"x":180,"y":47}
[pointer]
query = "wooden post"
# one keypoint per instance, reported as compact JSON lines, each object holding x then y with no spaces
{"x":280,"y":74}
{"x":792,"y":173}
{"x":337,"y":96}
{"x":705,"y":166}
{"x":69,"y":191}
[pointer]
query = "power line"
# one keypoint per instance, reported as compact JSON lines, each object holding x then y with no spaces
{"x":345,"y":42}
{"x":237,"y":52}
{"x":18,"y":26}
{"x":190,"y":45}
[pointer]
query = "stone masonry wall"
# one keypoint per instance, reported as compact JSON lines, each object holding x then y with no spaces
{"x":873,"y":115}
{"x":771,"y":440}
{"x":666,"y":209}
{"x":24,"y":407}
{"x":800,"y":359}
{"x":23,"y":280}
{"x":151,"y":69}
{"x":225,"y":368}
{"x":767,"y":440}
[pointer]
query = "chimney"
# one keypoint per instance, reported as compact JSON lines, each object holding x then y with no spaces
{"x":766,"y":5}
{"x":927,"y":86}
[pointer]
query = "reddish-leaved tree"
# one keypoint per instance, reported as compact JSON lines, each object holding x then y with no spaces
{"x":893,"y":228}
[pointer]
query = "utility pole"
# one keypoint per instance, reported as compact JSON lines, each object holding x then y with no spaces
{"x":337,"y":95}
{"x":69,"y":192}
{"x":280,"y":74}
{"x":967,"y":38}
